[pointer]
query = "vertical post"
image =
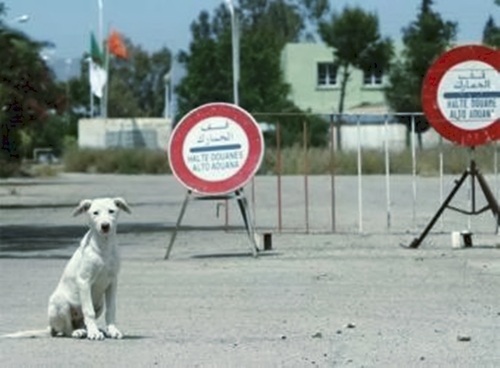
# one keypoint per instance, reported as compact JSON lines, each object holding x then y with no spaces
{"x":253,"y":200}
{"x":306,"y":178}
{"x":91,"y":96}
{"x":441,"y":177}
{"x":226,"y":215}
{"x":387,"y":172}
{"x":177,"y":224}
{"x":472,"y":186}
{"x":360,"y":170}
{"x":100,"y":35}
{"x":332,"y":171}
{"x":235,"y":48}
{"x":495,"y":171}
{"x":339,"y":131}
{"x":414,"y":169}
{"x":68,"y":99}
{"x":166,"y":109}
{"x":104,"y":103}
{"x":278,"y":171}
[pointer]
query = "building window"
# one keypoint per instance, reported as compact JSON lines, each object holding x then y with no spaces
{"x":372,"y":76}
{"x":327,"y":74}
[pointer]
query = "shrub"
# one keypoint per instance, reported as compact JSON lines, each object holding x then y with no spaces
{"x":117,"y":161}
{"x":294,"y":161}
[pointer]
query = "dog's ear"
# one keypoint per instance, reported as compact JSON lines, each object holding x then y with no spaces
{"x":121,"y":204}
{"x":82,"y":207}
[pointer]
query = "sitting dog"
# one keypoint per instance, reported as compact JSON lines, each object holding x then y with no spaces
{"x":90,"y":278}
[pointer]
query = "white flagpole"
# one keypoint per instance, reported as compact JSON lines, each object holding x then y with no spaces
{"x":106,"y":86}
{"x":100,"y":30}
{"x":235,"y":44}
{"x":91,"y":95}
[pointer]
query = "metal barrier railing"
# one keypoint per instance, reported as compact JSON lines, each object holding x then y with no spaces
{"x":355,"y":120}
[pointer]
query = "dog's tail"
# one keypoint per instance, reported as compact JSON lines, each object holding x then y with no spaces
{"x":27,"y":334}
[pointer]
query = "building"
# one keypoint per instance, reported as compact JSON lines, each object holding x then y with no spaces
{"x":314,"y":81}
{"x":100,"y":133}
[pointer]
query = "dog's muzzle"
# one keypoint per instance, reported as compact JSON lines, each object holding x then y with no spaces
{"x":105,"y":228}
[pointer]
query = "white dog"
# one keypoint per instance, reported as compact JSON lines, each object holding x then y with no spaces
{"x":90,"y":277}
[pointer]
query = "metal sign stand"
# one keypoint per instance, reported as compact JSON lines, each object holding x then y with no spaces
{"x":239,"y":195}
{"x":474,"y":174}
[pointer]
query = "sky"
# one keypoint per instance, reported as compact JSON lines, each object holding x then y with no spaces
{"x":157,"y":23}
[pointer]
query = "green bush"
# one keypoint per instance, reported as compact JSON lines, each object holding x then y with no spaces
{"x":293,"y":160}
{"x":116,"y":161}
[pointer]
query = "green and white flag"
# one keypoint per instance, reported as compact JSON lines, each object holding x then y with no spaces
{"x":97,"y":74}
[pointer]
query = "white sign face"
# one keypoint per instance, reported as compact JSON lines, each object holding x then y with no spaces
{"x":469,"y":95}
{"x":215,"y":149}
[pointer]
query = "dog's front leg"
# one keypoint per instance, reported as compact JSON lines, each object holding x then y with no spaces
{"x":112,"y":331}
{"x":88,"y":311}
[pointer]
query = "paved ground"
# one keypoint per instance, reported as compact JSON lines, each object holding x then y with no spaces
{"x":345,"y":299}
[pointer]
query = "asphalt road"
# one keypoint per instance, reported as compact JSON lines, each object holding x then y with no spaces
{"x":349,"y":298}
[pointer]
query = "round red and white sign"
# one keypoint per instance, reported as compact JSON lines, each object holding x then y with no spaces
{"x":216,"y":148}
{"x":461,"y":95}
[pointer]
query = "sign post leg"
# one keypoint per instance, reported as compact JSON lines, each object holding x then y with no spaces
{"x":178,"y":224}
{"x":416,"y":242}
{"x":245,"y":213}
{"x":490,"y":199}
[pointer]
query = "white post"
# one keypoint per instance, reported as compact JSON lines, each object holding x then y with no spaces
{"x":100,"y":35}
{"x":387,"y":172}
{"x":104,"y":100}
{"x":360,"y":172}
{"x":236,"y":52}
{"x":495,"y":171}
{"x":414,"y":168}
{"x":441,"y":178}
{"x":166,"y":111}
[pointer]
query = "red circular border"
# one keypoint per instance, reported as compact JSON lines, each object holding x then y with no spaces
{"x":249,"y":167}
{"x":430,"y":87}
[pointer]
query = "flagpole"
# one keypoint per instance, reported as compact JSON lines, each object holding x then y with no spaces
{"x":91,"y":98}
{"x":235,"y":47}
{"x":106,"y":86}
{"x":100,"y":29}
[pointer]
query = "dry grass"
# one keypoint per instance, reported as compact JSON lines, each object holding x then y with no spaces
{"x":292,"y":161}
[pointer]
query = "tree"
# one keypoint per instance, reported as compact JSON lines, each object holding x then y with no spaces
{"x":29,"y":94}
{"x":136,"y":85}
{"x":424,"y":40}
{"x":355,"y":37}
{"x":265,"y":27}
{"x":491,"y":33}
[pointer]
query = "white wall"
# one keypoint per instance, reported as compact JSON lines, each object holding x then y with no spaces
{"x":152,"y":133}
{"x":373,"y":137}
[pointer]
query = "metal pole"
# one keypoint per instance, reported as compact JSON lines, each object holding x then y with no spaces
{"x":100,"y":30}
{"x":414,"y":169}
{"x":306,"y":178}
{"x":441,"y":177}
{"x":91,"y":100}
{"x":495,"y":171}
{"x":360,"y":170}
{"x":387,"y":172}
{"x":104,"y":102}
{"x":471,"y":189}
{"x":278,"y":172}
{"x":68,"y":99}
{"x":332,"y":171}
{"x":235,"y":49}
